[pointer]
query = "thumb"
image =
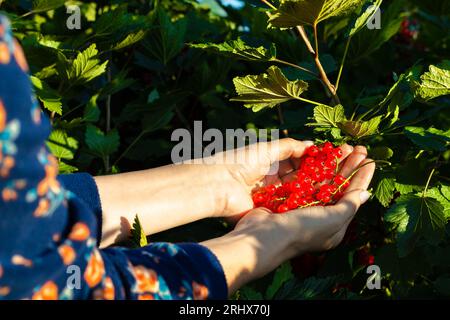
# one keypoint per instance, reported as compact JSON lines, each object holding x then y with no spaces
{"x":349,"y":204}
{"x":287,"y":148}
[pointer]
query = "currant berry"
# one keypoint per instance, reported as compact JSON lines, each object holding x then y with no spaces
{"x":310,"y":161}
{"x":292,"y":203}
{"x":327,"y":147}
{"x":339,"y":179}
{"x":259,"y":198}
{"x":337,"y":152}
{"x":283,"y":208}
{"x":312,"y":151}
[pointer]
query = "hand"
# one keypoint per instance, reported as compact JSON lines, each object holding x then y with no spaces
{"x":262,"y":240}
{"x":259,"y":160}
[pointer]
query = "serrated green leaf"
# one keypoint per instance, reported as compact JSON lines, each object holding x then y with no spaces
{"x":292,"y":13}
{"x":360,"y":129}
{"x":416,"y":217}
{"x":384,"y":191}
{"x":138,"y":235}
{"x":130,"y":40}
{"x":281,"y":276}
{"x":441,"y":194}
{"x":49,"y":97}
{"x":167,"y":40}
{"x":100,"y":144}
{"x":86,"y":66}
{"x":381,"y":153}
{"x":239,"y":49}
{"x":367,"y":14}
{"x":435,"y":82}
{"x":61,"y":145}
{"x":65,"y":168}
{"x":431,"y":139}
{"x":310,"y":288}
{"x":248,"y":293}
{"x":267,"y":90}
{"x":46,"y":5}
{"x":91,"y":110}
{"x":327,"y":116}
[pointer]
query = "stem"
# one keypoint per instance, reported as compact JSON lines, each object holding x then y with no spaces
{"x":269,"y":4}
{"x":309,"y":101}
{"x":428,"y":182}
{"x":322,"y":73}
{"x":129,"y":147}
{"x":108,"y":117}
{"x":305,"y":39}
{"x":295,"y":66}
{"x":281,"y":119}
{"x":347,"y":45}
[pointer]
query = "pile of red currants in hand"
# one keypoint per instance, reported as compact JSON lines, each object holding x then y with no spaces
{"x":317,"y":183}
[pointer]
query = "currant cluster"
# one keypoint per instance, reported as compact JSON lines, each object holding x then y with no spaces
{"x":317,"y":183}
{"x":409,"y":30}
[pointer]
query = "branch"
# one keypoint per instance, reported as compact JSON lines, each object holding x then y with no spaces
{"x":322,"y":73}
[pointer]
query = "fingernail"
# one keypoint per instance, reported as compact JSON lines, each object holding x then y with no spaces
{"x":308,"y":143}
{"x":364,"y":196}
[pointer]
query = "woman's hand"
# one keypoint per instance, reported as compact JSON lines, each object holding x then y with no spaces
{"x":262,"y":240}
{"x":259,"y":165}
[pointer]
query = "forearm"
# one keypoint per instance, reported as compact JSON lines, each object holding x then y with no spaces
{"x":250,"y":253}
{"x":163,"y":198}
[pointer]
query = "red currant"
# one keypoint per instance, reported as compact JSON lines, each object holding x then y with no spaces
{"x":312,"y":151}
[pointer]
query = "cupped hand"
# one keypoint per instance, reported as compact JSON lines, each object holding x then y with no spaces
{"x":310,"y":229}
{"x":258,"y":165}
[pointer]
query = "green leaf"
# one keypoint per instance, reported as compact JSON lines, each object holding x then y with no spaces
{"x":281,"y":276}
{"x":360,"y":129}
{"x":61,"y":145}
{"x":385,"y":191}
{"x":49,"y":97}
{"x":138,"y":236}
{"x":416,"y":217}
{"x":381,"y":153}
{"x":311,"y":288}
{"x":86,"y":66}
{"x":327,"y":116}
{"x":431,"y":139}
{"x":167,"y":40}
{"x":46,"y":5}
{"x":435,"y":82}
{"x":92,"y":111}
{"x":367,"y":14}
{"x":65,"y":168}
{"x":441,"y":194}
{"x":130,"y":39}
{"x":239,"y":49}
{"x":267,"y":90}
{"x":100,"y":144}
{"x":292,"y":13}
{"x":248,"y":293}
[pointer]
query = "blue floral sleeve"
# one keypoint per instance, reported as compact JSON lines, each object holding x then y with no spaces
{"x":49,"y":235}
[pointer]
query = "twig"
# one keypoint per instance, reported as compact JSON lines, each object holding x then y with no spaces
{"x":347,"y":45}
{"x":295,"y":66}
{"x":269,"y":4}
{"x":108,"y":116}
{"x":281,"y":119}
{"x":322,"y":73}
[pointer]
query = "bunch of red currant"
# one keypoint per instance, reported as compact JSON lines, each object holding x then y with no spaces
{"x":317,"y":183}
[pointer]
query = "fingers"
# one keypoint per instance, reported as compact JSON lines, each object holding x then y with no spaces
{"x":349,"y":204}
{"x":361,"y":180}
{"x":353,"y":161}
{"x":286,"y":148}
